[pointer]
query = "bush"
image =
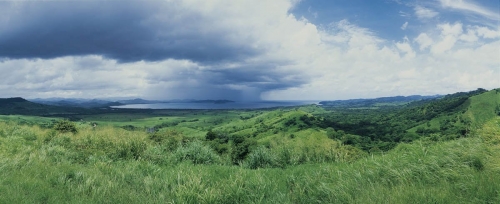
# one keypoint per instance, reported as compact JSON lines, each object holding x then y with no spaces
{"x":210,"y":135}
{"x":241,"y":148}
{"x":474,"y":162}
{"x":49,"y":136}
{"x":166,"y":136}
{"x":197,"y":153}
{"x":260,"y":158}
{"x":284,"y":156}
{"x":157,"y":154}
{"x":130,"y":150}
{"x":65,"y":126}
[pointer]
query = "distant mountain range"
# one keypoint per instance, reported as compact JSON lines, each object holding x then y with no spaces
{"x":72,"y":102}
{"x":22,"y":106}
{"x":102,"y":103}
{"x":382,"y":101}
{"x":99,"y":103}
{"x":71,"y":106}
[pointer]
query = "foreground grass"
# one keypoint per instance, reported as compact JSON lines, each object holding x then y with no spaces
{"x":115,"y":166}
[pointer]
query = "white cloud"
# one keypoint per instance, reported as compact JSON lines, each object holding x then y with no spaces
{"x":470,"y":36}
{"x":445,"y":68}
{"x":425,"y":13}
{"x":405,"y":47}
{"x":446,"y":43}
{"x":448,"y":37}
{"x":449,"y":29}
{"x":403,"y":27}
{"x":404,"y":14}
{"x":487,"y":33}
{"x":472,"y":7}
{"x":298,"y":60}
{"x":424,"y":41}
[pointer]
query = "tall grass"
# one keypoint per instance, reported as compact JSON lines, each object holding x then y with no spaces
{"x":197,"y":153}
{"x":113,"y":166}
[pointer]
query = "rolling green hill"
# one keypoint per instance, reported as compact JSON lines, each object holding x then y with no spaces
{"x":371,"y":130}
{"x":471,"y":113}
{"x":114,"y":165}
{"x":482,"y":108}
{"x":411,"y":153}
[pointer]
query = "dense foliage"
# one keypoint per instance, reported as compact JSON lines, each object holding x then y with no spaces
{"x":435,"y":150}
{"x":111,"y":165}
{"x":382,"y":129}
{"x":65,"y":126}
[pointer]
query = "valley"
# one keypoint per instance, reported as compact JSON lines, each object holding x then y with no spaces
{"x":440,"y":149}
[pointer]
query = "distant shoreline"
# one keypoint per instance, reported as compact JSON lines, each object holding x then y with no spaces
{"x":227,"y":105}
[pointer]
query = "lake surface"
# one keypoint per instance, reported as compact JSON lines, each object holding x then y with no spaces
{"x":234,"y":105}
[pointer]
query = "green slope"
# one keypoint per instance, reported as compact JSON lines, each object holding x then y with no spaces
{"x":37,"y":166}
{"x":483,"y":107}
{"x":473,"y":113}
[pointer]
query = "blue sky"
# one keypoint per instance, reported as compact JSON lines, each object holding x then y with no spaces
{"x":382,"y":17}
{"x":248,"y":49}
{"x":386,"y":17}
{"x":396,"y":20}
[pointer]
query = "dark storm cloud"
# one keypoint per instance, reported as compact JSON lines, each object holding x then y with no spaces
{"x":253,"y":77}
{"x":217,"y":53}
{"x":122,"y":30}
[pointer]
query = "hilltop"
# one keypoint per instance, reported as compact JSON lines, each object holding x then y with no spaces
{"x":21,"y":106}
{"x":284,"y":155}
{"x":365,"y":128}
{"x":376,"y":102}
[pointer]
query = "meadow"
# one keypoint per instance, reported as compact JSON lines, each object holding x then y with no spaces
{"x":110,"y":165}
{"x":281,"y":155}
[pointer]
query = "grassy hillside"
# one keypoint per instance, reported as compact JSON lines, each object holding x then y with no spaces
{"x":284,"y":155}
{"x":472,"y":113}
{"x":483,"y":107}
{"x":113,"y":165}
{"x":372,"y":130}
{"x":28,"y":120}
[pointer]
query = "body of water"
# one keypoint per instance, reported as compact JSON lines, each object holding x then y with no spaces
{"x":234,"y":105}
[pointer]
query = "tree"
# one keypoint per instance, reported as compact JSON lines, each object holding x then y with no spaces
{"x":330,"y":132}
{"x":65,"y":126}
{"x":210,"y":135}
{"x":241,"y":148}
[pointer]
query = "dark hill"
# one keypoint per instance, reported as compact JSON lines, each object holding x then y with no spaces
{"x":12,"y":100}
{"x":21,"y":106}
{"x":382,"y":101}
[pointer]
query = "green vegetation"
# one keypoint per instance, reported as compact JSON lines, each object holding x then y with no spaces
{"x":65,"y":126}
{"x":443,"y":150}
{"x":112,"y":165}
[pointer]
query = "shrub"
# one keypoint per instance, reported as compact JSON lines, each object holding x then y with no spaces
{"x":330,"y":132}
{"x":210,"y":135}
{"x":260,"y":158}
{"x":241,"y":148}
{"x":168,"y":136}
{"x":129,"y":127}
{"x":474,"y":162}
{"x":156,"y":154}
{"x":49,"y":136}
{"x":283,"y":156}
{"x":65,"y":126}
{"x":197,"y":153}
{"x":130,"y":150}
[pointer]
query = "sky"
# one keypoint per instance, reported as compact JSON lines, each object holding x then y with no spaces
{"x":247,"y":49}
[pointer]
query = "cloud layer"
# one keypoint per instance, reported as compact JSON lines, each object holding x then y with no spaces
{"x":244,"y":50}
